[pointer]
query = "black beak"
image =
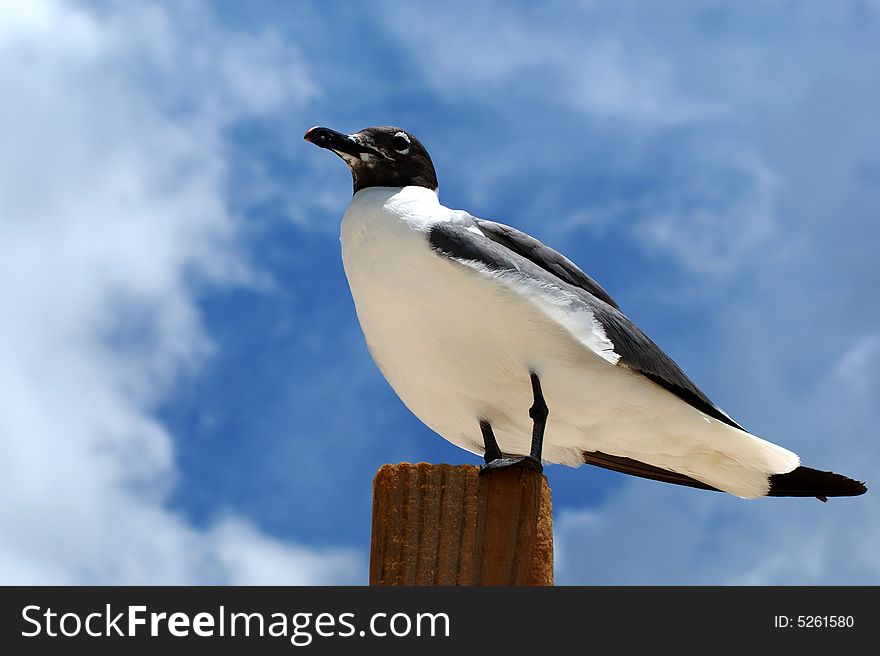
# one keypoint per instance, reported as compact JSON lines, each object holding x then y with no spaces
{"x":336,"y":141}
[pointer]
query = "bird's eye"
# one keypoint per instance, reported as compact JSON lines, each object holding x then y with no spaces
{"x":400,"y":142}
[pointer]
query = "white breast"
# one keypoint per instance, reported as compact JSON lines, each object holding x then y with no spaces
{"x":454,"y":345}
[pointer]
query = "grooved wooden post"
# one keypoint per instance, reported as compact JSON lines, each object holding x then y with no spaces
{"x":447,"y":525}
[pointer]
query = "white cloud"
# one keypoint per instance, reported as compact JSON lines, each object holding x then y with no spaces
{"x":650,"y":534}
{"x":859,"y":366}
{"x":715,"y":235}
{"x":493,"y":52}
{"x":112,"y":217}
{"x":247,"y":557}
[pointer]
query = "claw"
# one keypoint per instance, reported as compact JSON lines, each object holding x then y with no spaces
{"x":521,"y":461}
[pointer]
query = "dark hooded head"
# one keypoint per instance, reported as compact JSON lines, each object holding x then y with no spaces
{"x":382,"y":156}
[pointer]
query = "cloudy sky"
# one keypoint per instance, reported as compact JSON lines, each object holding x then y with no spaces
{"x":185,"y":396}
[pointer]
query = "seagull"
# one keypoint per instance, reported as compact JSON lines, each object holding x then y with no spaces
{"x":507,"y":349}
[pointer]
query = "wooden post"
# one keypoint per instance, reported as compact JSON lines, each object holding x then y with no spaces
{"x":447,"y":525}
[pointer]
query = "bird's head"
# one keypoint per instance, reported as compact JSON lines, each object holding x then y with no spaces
{"x":382,"y":156}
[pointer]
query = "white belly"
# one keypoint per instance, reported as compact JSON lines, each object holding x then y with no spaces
{"x":458,"y":347}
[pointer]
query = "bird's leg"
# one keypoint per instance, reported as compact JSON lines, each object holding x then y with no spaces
{"x":492,"y":450}
{"x":538,"y":412}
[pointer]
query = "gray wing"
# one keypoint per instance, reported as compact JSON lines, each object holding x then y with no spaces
{"x":544,"y":256}
{"x":501,"y":248}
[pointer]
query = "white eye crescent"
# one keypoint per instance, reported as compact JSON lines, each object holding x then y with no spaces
{"x":400,"y":142}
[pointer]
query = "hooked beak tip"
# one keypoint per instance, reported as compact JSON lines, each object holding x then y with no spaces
{"x":312,"y":134}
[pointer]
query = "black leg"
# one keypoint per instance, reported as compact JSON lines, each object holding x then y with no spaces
{"x":538,"y":412}
{"x":492,"y":450}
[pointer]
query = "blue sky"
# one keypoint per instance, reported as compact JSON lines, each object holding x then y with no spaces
{"x":185,"y":395}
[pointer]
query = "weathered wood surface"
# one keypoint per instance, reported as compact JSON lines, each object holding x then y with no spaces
{"x":447,"y":525}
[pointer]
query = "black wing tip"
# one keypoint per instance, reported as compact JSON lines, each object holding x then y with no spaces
{"x":802,"y":482}
{"x":808,"y":482}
